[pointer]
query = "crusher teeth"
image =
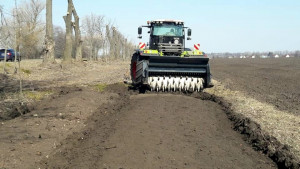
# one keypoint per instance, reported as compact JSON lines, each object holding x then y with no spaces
{"x":173,"y":84}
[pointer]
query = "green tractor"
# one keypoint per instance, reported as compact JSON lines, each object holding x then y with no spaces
{"x":164,"y":64}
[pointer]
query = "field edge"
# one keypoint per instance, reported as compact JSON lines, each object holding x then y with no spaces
{"x":259,"y":139}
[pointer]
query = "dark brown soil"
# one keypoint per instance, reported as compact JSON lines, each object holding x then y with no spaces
{"x":15,"y":107}
{"x":156,"y":131}
{"x":77,"y":127}
{"x":260,"y":140}
{"x":275,"y":81}
{"x":31,"y":137}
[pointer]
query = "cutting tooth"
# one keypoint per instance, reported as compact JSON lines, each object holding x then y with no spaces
{"x":163,"y":84}
{"x":187,"y":83}
{"x":153,"y":83}
{"x":181,"y":84}
{"x":173,"y":85}
{"x":149,"y":80}
{"x":193,"y":83}
{"x":202,"y":83}
{"x":158,"y":84}
{"x":176,"y":83}
{"x":170,"y":84}
{"x":198,"y":85}
{"x":166,"y":82}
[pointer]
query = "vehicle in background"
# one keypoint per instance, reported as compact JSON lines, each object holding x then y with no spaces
{"x":10,"y":55}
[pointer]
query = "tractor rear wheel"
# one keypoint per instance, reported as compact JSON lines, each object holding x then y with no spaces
{"x":134,"y":60}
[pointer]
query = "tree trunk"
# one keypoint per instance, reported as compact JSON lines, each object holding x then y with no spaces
{"x":49,"y":46}
{"x":68,"y":21}
{"x":4,"y":61}
{"x":78,"y":41}
{"x":110,"y":41}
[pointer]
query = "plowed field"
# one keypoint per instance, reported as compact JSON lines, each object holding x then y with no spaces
{"x":274,"y":81}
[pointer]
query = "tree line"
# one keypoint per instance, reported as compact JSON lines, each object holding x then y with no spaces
{"x":23,"y":28}
{"x":256,"y":54}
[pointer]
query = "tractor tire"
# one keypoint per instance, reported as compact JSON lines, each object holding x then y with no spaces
{"x":134,"y":60}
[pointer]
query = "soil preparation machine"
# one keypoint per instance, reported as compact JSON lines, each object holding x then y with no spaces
{"x":164,"y":64}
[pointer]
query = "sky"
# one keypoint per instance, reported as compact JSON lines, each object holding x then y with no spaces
{"x":218,"y":25}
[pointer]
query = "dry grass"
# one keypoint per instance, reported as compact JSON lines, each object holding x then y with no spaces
{"x":26,"y":71}
{"x":7,"y":65}
{"x":100,"y":87}
{"x":285,"y":126}
{"x":36,"y":95}
{"x":85,"y":73}
{"x":37,"y":77}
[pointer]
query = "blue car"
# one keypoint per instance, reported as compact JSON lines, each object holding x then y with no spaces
{"x":10,"y":55}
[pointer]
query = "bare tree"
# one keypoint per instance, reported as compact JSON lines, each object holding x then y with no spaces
{"x":69,"y":44}
{"x":107,"y":40}
{"x":31,"y":28}
{"x":1,"y":16}
{"x":17,"y":49}
{"x":5,"y":35}
{"x":59,"y":39}
{"x":70,"y":25}
{"x":109,"y":37}
{"x":78,"y":41}
{"x":119,"y":44}
{"x":49,"y":46}
{"x":93,"y":27}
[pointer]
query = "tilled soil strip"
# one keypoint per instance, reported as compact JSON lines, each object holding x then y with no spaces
{"x":156,"y":130}
{"x":78,"y":145}
{"x":274,"y":132}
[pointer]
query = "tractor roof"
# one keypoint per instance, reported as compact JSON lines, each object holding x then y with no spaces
{"x":167,"y":20}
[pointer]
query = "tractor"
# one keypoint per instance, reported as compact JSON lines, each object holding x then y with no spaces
{"x":165,"y":64}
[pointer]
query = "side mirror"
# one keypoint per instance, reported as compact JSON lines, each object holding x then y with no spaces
{"x":140,"y":31}
{"x":189,"y":32}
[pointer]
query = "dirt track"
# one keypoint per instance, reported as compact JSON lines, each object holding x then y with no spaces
{"x":157,"y":131}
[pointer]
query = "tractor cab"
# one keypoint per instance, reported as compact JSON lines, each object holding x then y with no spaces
{"x":166,"y":36}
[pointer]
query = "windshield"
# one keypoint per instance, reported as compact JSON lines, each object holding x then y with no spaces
{"x":168,"y":30}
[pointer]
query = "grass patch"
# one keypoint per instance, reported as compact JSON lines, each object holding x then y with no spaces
{"x":124,"y":84}
{"x":7,"y":65}
{"x":26,"y":71}
{"x":100,"y":87}
{"x":36,"y":95}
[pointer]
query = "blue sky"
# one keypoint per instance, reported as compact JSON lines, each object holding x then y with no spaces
{"x":218,"y":25}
